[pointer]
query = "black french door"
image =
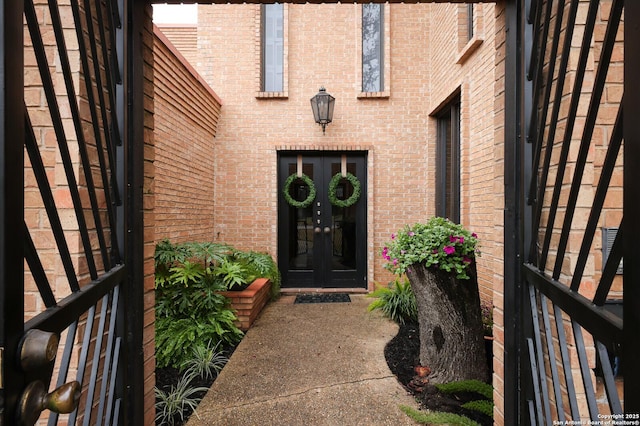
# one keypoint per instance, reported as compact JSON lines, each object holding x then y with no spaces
{"x":322,"y":245}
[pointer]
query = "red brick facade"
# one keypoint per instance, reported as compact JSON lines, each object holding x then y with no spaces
{"x":186,"y":113}
{"x":426,"y":64}
{"x":428,"y":60}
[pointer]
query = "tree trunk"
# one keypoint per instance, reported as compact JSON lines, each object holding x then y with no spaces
{"x":451,"y":337}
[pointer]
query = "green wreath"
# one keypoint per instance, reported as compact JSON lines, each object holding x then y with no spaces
{"x":293,"y":202}
{"x":333,"y":185}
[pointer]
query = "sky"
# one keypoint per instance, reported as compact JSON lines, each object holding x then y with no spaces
{"x":175,"y":13}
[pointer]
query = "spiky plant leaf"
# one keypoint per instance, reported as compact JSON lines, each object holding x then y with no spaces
{"x":172,"y":405}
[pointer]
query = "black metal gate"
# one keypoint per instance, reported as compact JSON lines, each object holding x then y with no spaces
{"x":70,"y":211}
{"x":572,"y":196}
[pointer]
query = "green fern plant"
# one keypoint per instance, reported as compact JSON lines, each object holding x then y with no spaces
{"x":232,"y":273}
{"x":482,"y":406}
{"x":190,"y":312}
{"x":396,"y":301}
{"x":209,"y":253}
{"x":476,"y":386}
{"x":187,"y":273}
{"x":261,"y":265}
{"x":437,"y":417}
{"x":172,"y":405}
{"x":176,"y":338}
{"x":206,"y":362}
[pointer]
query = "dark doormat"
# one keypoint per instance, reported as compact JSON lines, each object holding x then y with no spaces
{"x":323,"y":298}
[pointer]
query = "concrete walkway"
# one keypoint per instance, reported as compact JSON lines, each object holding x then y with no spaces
{"x":309,"y":364}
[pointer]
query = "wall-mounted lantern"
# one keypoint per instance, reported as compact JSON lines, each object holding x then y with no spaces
{"x":322,"y":106}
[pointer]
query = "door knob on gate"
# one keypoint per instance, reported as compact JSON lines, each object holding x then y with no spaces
{"x":37,"y":349}
{"x":327,"y":230}
{"x":317,"y":230}
{"x":35,"y":399}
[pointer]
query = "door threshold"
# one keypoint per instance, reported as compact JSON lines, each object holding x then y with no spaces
{"x":296,"y":290}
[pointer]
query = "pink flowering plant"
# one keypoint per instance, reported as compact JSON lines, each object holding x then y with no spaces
{"x":438,"y":243}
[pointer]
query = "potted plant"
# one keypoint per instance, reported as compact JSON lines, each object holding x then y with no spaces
{"x":438,"y":258}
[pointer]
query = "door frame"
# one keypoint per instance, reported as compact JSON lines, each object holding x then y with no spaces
{"x":321,"y":277}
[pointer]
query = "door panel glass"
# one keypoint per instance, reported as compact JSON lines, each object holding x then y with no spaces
{"x":343,"y":224}
{"x":300,"y":222}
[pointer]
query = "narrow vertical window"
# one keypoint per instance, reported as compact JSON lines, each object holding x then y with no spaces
{"x":272,"y":47}
{"x":469,"y":21}
{"x":448,"y":163}
{"x":372,"y":48}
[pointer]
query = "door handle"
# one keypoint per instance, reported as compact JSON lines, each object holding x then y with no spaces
{"x":38,"y":349}
{"x":327,"y":230}
{"x":35,"y":400}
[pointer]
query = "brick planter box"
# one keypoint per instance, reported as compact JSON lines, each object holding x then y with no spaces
{"x":249,"y":302}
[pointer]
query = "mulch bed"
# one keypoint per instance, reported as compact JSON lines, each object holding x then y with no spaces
{"x":403,"y":355}
{"x":168,"y":376}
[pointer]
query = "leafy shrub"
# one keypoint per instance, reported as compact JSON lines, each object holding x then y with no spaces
{"x":260,"y":265}
{"x":439,"y":243}
{"x":176,"y":339}
{"x":190,"y":312}
{"x":481,"y":406}
{"x":206,"y":362}
{"x":437,"y":417}
{"x":476,"y":386}
{"x":171,"y":406}
{"x":396,"y":301}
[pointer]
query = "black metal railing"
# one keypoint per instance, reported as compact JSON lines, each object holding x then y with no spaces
{"x":81,"y":110}
{"x":572,"y":342}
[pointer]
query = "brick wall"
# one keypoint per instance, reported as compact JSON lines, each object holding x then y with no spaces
{"x":186,"y":118}
{"x":498,"y":216}
{"x":184,"y":38}
{"x":471,"y":70}
{"x":426,"y":65}
{"x":149,"y":219}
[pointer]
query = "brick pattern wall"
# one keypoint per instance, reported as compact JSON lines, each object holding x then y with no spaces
{"x":498,"y":215}
{"x":149,"y":218}
{"x":185,"y":38}
{"x":396,"y":129}
{"x":186,"y":119}
{"x":471,"y":70}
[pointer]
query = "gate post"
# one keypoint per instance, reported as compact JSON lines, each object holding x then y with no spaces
{"x":513,"y":209}
{"x":11,"y":203}
{"x":631,"y":107}
{"x":137,"y":45}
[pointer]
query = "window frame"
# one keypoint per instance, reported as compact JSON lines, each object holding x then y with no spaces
{"x":379,"y":50}
{"x":385,"y":42}
{"x":260,"y":53}
{"x":448,"y":145}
